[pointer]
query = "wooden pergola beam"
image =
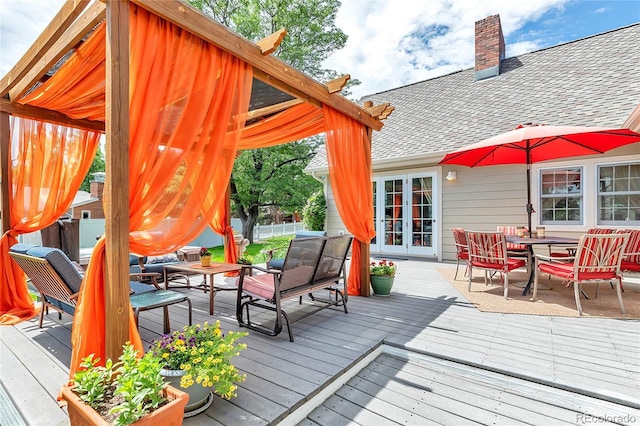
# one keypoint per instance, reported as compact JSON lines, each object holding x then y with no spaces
{"x":336,"y":85}
{"x":272,"y":109}
{"x":270,"y":43}
{"x":280,"y":75}
{"x":56,"y":28}
{"x":48,"y":57}
{"x":48,"y":115}
{"x":5,"y":142}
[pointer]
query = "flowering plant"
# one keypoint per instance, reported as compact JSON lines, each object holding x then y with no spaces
{"x":204,"y":252}
{"x":205,"y":353}
{"x":384,"y":267}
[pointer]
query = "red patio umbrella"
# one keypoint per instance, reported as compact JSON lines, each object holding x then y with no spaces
{"x":531,"y":143}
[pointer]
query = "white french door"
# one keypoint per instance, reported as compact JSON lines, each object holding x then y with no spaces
{"x":405,"y":214}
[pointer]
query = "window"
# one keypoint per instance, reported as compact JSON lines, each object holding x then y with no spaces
{"x":561,"y":197}
{"x":619,"y":194}
{"x":86,"y":214}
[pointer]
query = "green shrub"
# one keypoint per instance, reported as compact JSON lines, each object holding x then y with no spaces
{"x":314,"y":212}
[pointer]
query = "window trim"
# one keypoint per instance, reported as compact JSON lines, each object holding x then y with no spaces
{"x":598,"y":194}
{"x":582,"y":196}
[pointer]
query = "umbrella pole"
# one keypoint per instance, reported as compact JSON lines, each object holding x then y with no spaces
{"x":529,"y":205}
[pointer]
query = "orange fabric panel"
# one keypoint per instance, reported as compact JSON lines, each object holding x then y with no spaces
{"x":349,"y":157}
{"x":188,"y":102}
{"x":219,"y":223}
{"x":78,"y":88}
{"x":47,"y":165}
{"x":295,"y":123}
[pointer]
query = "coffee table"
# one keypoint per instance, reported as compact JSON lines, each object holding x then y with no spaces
{"x":206,"y":271}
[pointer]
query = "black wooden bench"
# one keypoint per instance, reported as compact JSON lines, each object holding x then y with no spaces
{"x":311,"y":264}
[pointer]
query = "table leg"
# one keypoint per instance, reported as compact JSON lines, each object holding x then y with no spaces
{"x":211,"y":293}
{"x":531,"y":269}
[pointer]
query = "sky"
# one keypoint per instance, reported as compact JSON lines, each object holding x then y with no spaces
{"x":395,"y":43}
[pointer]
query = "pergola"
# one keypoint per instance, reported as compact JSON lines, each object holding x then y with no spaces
{"x":284,"y":105}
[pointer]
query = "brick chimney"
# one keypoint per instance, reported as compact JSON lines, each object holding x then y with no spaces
{"x":490,"y":48}
{"x":96,"y":186}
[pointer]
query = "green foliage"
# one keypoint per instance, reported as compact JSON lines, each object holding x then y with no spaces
{"x":275,"y":176}
{"x":315,"y":212}
{"x":384,"y":267}
{"x":134,"y":383}
{"x":205,"y":353}
{"x":312,"y":35}
{"x":272,"y":177}
{"x":98,"y":165}
{"x":246,"y":260}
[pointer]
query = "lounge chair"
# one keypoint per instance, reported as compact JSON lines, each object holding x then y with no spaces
{"x":58,"y":281}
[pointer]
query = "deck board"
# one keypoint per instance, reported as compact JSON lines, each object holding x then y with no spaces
{"x":424,"y":315}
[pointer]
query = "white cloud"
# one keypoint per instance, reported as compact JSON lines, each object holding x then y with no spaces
{"x":21,"y":22}
{"x":395,"y":43}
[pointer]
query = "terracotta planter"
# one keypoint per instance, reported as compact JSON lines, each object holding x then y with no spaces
{"x":205,"y":261}
{"x":80,"y":414}
{"x":381,"y":284}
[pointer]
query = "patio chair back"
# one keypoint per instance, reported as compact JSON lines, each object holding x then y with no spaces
{"x":300,"y":262}
{"x":488,"y":252}
{"x":512,"y":230}
{"x":462,"y":251}
{"x":597,"y":259}
{"x":601,"y":231}
{"x":631,"y":258}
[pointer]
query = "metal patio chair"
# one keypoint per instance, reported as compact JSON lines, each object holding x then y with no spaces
{"x":597,"y":260}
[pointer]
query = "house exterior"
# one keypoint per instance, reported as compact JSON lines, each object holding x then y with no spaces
{"x":88,"y":205}
{"x":593,"y":81}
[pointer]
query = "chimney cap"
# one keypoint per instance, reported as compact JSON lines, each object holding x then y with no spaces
{"x":99,"y":176}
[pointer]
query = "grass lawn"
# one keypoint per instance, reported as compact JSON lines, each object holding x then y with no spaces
{"x":256,"y":250}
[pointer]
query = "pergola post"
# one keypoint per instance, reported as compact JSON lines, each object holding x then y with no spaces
{"x":116,"y":191}
{"x":365,"y":248}
{"x":5,"y":141}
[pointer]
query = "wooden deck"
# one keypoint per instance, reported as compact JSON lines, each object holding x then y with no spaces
{"x":424,"y":355}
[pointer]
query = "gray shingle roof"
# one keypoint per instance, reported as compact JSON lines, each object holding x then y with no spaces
{"x":593,"y":81}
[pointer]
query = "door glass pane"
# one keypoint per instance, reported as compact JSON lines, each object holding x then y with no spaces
{"x":375,"y":210}
{"x":422,"y":211}
{"x":393,"y":213}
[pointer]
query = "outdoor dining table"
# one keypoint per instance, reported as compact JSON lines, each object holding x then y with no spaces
{"x":530,"y":242}
{"x":206,"y":271}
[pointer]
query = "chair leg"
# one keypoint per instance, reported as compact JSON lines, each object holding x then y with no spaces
{"x":506,"y":285}
{"x":535,"y":287}
{"x":190,"y":310}
{"x":165,"y":315}
{"x":42,"y":310}
{"x":470,"y":277}
{"x":619,"y":291}
{"x":576,"y":290}
{"x":455,"y":277}
{"x":597,"y":289}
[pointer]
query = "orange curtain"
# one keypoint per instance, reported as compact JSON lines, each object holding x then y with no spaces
{"x":219,"y":223}
{"x":188,"y":102}
{"x":77,"y":94}
{"x":295,"y":123}
{"x":349,"y":157}
{"x":47,"y":165}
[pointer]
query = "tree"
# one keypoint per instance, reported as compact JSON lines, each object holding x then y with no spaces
{"x":272,"y":177}
{"x":98,"y":165}
{"x":275,"y":176}
{"x":314,"y":213}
